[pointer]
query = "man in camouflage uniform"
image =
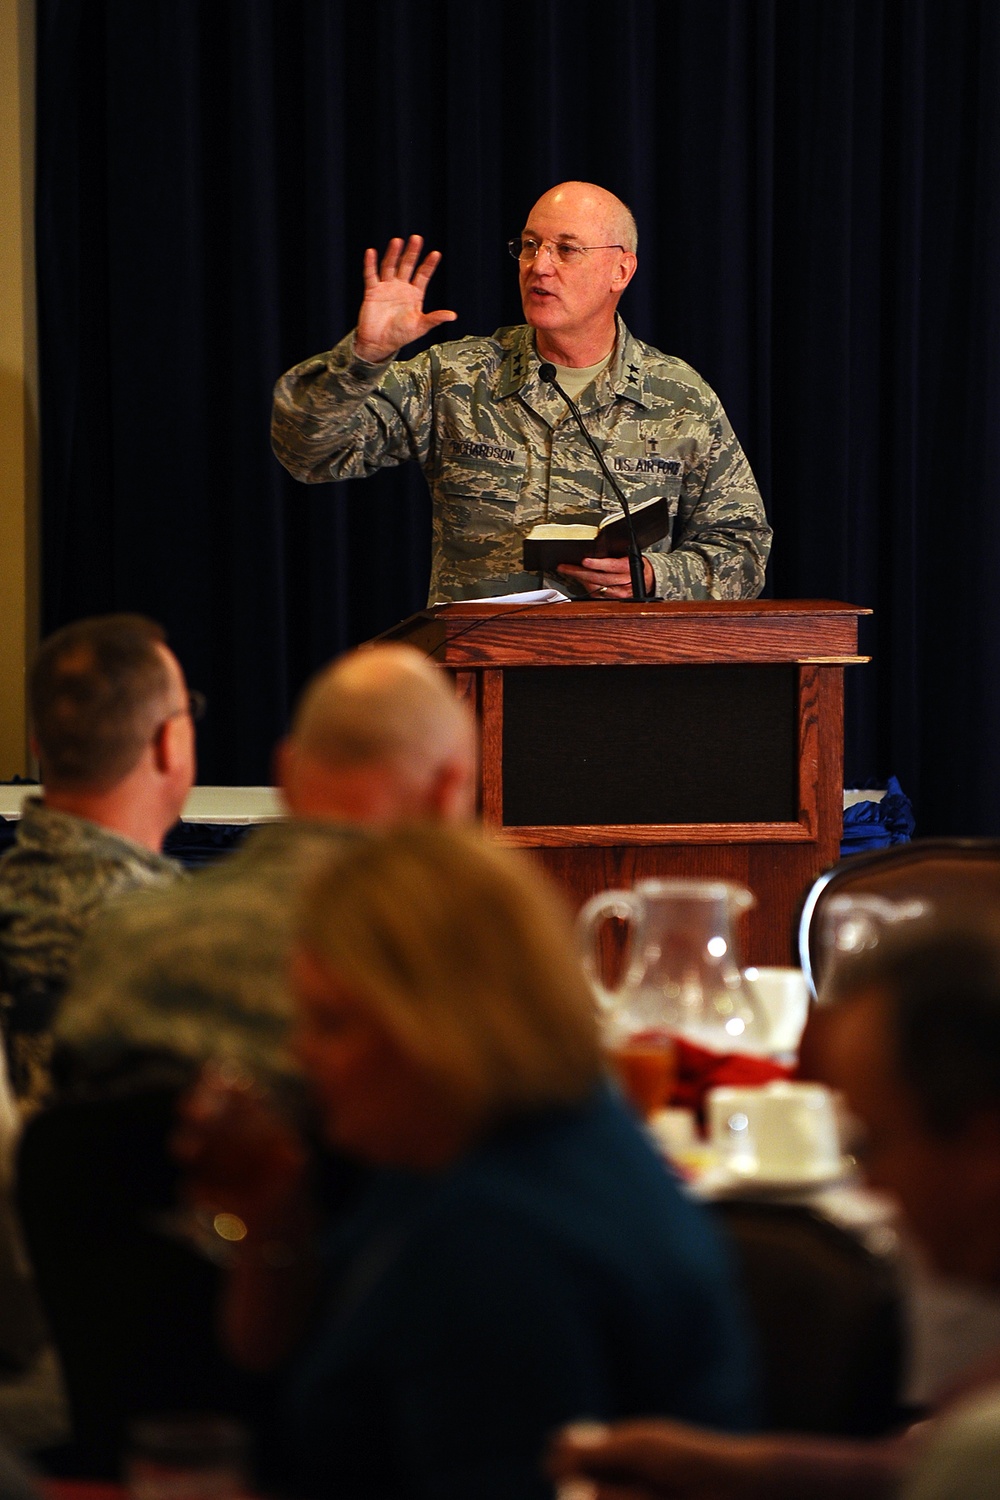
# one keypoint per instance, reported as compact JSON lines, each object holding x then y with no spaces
{"x":197,"y":973}
{"x":115,"y":740}
{"x":500,"y":452}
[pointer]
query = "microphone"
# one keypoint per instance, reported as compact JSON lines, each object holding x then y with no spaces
{"x":637,"y":572}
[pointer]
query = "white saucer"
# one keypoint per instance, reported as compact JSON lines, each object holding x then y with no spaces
{"x":723,"y":1182}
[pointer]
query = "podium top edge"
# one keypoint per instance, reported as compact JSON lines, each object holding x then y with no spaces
{"x":594,"y":608}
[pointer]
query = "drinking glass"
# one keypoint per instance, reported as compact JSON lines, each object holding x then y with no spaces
{"x":190,"y":1456}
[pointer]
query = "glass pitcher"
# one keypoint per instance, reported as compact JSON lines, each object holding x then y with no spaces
{"x":681,"y":969}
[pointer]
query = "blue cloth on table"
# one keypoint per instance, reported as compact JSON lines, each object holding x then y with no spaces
{"x":196,"y":844}
{"x":558,"y":1272}
{"x":876,"y":825}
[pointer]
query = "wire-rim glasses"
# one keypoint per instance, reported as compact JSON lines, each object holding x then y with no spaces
{"x":526,"y":249}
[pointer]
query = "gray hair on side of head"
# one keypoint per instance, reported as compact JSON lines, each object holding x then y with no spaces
{"x":940,"y":979}
{"x":628,"y":229}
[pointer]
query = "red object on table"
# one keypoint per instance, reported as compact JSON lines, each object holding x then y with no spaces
{"x":81,"y":1489}
{"x":699,"y":1070}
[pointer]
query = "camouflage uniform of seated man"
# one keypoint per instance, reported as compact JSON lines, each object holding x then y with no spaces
{"x":497,"y":445}
{"x":113,"y":732}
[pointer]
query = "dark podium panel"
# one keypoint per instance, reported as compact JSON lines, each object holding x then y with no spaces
{"x":669,"y":745}
{"x":624,"y":742}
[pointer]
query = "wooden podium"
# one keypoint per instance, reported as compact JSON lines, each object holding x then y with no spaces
{"x":624,"y":741}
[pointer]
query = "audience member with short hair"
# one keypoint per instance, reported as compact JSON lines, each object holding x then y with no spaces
{"x":521,"y":1256}
{"x":112,"y":730}
{"x":912,"y":1038}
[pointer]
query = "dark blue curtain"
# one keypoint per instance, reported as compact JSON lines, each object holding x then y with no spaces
{"x":816,"y":190}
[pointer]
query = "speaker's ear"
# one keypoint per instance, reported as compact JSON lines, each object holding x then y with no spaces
{"x":625,"y":267}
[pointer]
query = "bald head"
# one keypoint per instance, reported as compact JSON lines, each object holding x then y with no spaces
{"x":571,"y":299}
{"x":379,"y":736}
{"x":612,"y":218}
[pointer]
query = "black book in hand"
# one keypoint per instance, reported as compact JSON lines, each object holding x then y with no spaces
{"x":546,"y":546}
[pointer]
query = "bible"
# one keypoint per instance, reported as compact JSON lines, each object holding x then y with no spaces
{"x":548,"y":545}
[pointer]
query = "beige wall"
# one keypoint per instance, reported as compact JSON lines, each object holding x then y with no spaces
{"x":18,"y":379}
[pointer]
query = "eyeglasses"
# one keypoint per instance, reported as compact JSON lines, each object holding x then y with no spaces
{"x":196,"y":705}
{"x":525,"y":249}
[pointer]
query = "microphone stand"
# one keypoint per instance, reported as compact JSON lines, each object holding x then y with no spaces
{"x":637,"y":572}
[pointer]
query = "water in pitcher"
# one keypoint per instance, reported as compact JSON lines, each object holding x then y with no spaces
{"x":680,"y":972}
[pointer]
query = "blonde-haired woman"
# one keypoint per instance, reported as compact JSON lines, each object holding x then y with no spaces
{"x":520,"y":1257}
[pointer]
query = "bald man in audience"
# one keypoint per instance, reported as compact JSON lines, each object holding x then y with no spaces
{"x":112,"y":728}
{"x":197,"y":973}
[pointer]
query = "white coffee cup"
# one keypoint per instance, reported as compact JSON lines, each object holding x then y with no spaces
{"x":783,"y":997}
{"x":774,"y":1134}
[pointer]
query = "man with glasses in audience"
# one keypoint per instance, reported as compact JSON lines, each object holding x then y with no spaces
{"x":497,"y":445}
{"x":113,"y":729}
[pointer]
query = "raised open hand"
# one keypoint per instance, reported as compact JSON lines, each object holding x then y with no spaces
{"x":392,"y":313}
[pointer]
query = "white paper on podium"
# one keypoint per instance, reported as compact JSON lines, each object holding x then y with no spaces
{"x":533,"y":596}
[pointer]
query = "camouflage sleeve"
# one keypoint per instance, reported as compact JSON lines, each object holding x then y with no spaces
{"x":722,"y":537}
{"x":336,"y":417}
{"x":107,"y":968}
{"x":104,"y":978}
